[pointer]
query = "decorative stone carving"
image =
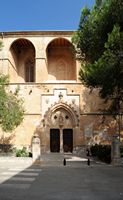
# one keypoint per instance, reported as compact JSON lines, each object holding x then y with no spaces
{"x":61,"y":121}
{"x":60,"y":96}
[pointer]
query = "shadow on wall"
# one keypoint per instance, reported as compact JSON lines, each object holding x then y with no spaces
{"x":91,"y":101}
{"x":98,"y":128}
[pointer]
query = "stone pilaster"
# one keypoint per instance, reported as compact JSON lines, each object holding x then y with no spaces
{"x":41,"y":70}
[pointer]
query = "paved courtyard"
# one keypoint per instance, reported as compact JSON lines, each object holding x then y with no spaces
{"x":75,"y":181}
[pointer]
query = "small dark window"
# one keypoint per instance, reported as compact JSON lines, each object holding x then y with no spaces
{"x":29,"y":71}
{"x":66,"y":117}
{"x":55,"y":117}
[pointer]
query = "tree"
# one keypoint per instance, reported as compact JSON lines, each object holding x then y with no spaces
{"x":99,"y":47}
{"x":11,"y":107}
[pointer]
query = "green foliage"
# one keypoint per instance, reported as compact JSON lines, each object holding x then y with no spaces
{"x":93,"y":32}
{"x":106,"y":73}
{"x":11,"y":107}
{"x":22,"y":152}
{"x":99,"y":44}
{"x":102,"y":152}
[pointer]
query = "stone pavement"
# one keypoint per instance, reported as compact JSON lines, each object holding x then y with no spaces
{"x":22,"y":179}
{"x":56,"y":159}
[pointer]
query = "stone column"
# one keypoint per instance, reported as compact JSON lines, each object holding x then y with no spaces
{"x":115,"y":151}
{"x":61,"y":124}
{"x":61,"y":140}
{"x":36,"y":148}
{"x":41,"y":72}
{"x":4,"y":68}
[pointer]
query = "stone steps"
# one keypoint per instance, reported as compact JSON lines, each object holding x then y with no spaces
{"x":57,"y":159}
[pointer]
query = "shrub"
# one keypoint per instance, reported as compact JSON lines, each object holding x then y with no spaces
{"x":121,"y":151}
{"x":22,"y":152}
{"x":102,"y":152}
{"x":6,"y":148}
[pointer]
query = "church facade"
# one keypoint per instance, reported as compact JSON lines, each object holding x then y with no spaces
{"x":57,"y":106}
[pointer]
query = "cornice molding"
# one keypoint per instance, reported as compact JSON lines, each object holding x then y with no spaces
{"x":60,"y":33}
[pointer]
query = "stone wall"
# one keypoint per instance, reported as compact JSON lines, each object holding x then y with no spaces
{"x":56,"y":92}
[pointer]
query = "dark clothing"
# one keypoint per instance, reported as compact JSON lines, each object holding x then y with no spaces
{"x":87,"y":152}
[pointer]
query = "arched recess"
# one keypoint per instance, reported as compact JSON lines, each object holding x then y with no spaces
{"x":61,"y":60}
{"x":60,"y":123}
{"x":22,"y":61}
{"x":61,"y":114}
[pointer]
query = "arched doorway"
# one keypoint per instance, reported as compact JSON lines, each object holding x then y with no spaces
{"x":61,"y":122}
{"x":61,"y":131}
{"x":67,"y":138}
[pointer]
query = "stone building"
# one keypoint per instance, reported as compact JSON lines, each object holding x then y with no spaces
{"x":57,"y":106}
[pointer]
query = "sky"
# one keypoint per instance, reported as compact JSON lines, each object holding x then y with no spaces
{"x":27,"y":15}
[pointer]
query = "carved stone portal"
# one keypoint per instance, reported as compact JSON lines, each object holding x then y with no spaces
{"x":61,"y":121}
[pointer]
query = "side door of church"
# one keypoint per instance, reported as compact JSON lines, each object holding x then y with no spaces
{"x":68,"y":140}
{"x":54,"y":140}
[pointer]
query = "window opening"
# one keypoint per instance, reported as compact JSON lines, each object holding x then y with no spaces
{"x":29,"y":71}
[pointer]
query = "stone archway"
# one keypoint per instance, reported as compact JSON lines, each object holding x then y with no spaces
{"x":22,"y":61}
{"x":60,"y":121}
{"x":61,"y":60}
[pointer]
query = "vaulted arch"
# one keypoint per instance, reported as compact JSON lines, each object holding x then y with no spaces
{"x":61,"y":60}
{"x":22,"y":61}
